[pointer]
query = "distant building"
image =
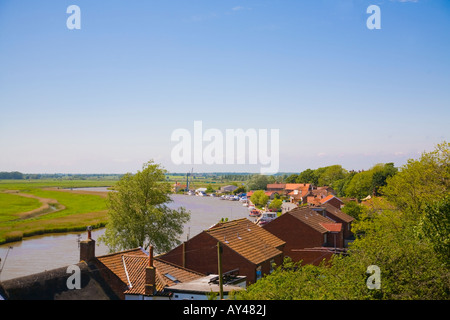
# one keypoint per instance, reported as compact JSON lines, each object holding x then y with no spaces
{"x":229,"y":188}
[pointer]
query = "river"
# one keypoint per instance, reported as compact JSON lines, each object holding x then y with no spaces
{"x":46,"y":252}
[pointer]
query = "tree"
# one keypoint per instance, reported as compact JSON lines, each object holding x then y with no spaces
{"x":435,"y":227}
{"x":291,"y":179}
{"x":239,"y":190}
{"x":420,"y":182}
{"x":258,"y":182}
{"x":138,"y":214}
{"x":341,"y":185}
{"x":259,"y":198}
{"x":210,"y":189}
{"x":276,"y":204}
{"x":332,"y":174}
{"x":307,"y":176}
{"x":353,"y":209}
{"x":380,"y":175}
{"x":407,"y":238}
{"x":360,"y":186}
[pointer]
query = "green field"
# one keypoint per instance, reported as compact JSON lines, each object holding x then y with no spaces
{"x":11,"y":205}
{"x":71,"y":211}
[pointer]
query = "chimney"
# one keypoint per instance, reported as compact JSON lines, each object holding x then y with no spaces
{"x":150,"y":275}
{"x":87,"y":247}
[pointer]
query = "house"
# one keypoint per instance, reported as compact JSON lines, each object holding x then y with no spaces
{"x":229,"y":188}
{"x":176,"y":187}
{"x":276,"y":187}
{"x":306,"y":229}
{"x":333,"y":200}
{"x":245,"y":246}
{"x":52,"y":285}
{"x":330,"y":211}
{"x":136,"y":274}
{"x":202,"y":288}
{"x":298,"y":192}
{"x":126,"y":275}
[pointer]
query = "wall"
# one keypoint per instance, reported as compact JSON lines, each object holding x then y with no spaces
{"x":295,"y":233}
{"x":201,"y":256}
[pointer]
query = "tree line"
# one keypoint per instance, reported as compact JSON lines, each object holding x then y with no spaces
{"x":405,"y":232}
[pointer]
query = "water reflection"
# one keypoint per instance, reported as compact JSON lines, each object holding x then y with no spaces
{"x":40,"y":253}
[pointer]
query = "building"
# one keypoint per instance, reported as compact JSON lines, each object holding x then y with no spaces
{"x":229,"y":188}
{"x":308,"y":235}
{"x":126,"y":275}
{"x":333,"y":200}
{"x":203,"y":288}
{"x":331,"y":212}
{"x":52,"y":285}
{"x":276,"y":187}
{"x":245,"y":246}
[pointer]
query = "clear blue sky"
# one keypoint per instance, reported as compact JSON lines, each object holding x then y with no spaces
{"x":106,"y":98}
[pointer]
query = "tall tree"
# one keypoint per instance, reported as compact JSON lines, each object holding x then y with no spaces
{"x":420,"y":181}
{"x":138,"y":214}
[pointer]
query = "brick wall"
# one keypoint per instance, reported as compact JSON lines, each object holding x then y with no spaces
{"x":201,"y":256}
{"x":295,"y":233}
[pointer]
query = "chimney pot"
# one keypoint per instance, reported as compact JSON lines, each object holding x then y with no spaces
{"x":150,"y":257}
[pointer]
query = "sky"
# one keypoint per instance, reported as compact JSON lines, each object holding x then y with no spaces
{"x":107,"y":97}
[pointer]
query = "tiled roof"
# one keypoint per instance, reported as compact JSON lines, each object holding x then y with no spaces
{"x":276,"y":186}
{"x":293,"y":186}
{"x":114,"y":261}
{"x":311,"y":218}
{"x":247,"y":239}
{"x":338,"y":213}
{"x":328,"y":198}
{"x":130,"y":267}
{"x":332,"y":227}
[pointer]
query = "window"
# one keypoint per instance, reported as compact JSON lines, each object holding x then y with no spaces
{"x":272,"y":265}
{"x":171,"y":277}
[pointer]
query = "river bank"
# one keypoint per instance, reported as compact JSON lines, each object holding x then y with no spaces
{"x":46,"y":252}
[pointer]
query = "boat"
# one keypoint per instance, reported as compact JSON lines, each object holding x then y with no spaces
{"x":254,"y":213}
{"x":266,"y":217}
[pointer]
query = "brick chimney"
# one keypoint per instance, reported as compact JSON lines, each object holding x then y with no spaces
{"x":150,"y":275}
{"x":87,"y":247}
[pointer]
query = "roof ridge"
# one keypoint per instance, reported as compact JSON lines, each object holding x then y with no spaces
{"x":178,"y":266}
{"x":119,"y":252}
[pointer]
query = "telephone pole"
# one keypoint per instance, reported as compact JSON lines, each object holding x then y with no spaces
{"x":219,"y":268}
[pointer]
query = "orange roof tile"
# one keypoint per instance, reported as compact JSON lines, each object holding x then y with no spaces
{"x":328,"y":198}
{"x":311,"y":218}
{"x":247,"y":239}
{"x":130,"y":267}
{"x":332,"y":227}
{"x":337,"y":213}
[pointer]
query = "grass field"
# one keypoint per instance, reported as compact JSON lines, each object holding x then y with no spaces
{"x":11,"y":205}
{"x":69,"y":211}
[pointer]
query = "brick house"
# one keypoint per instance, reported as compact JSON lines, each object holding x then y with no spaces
{"x":246,"y":247}
{"x":330,"y":211}
{"x":333,"y":200}
{"x":306,"y":233}
{"x":136,"y":274}
{"x":276,"y":187}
